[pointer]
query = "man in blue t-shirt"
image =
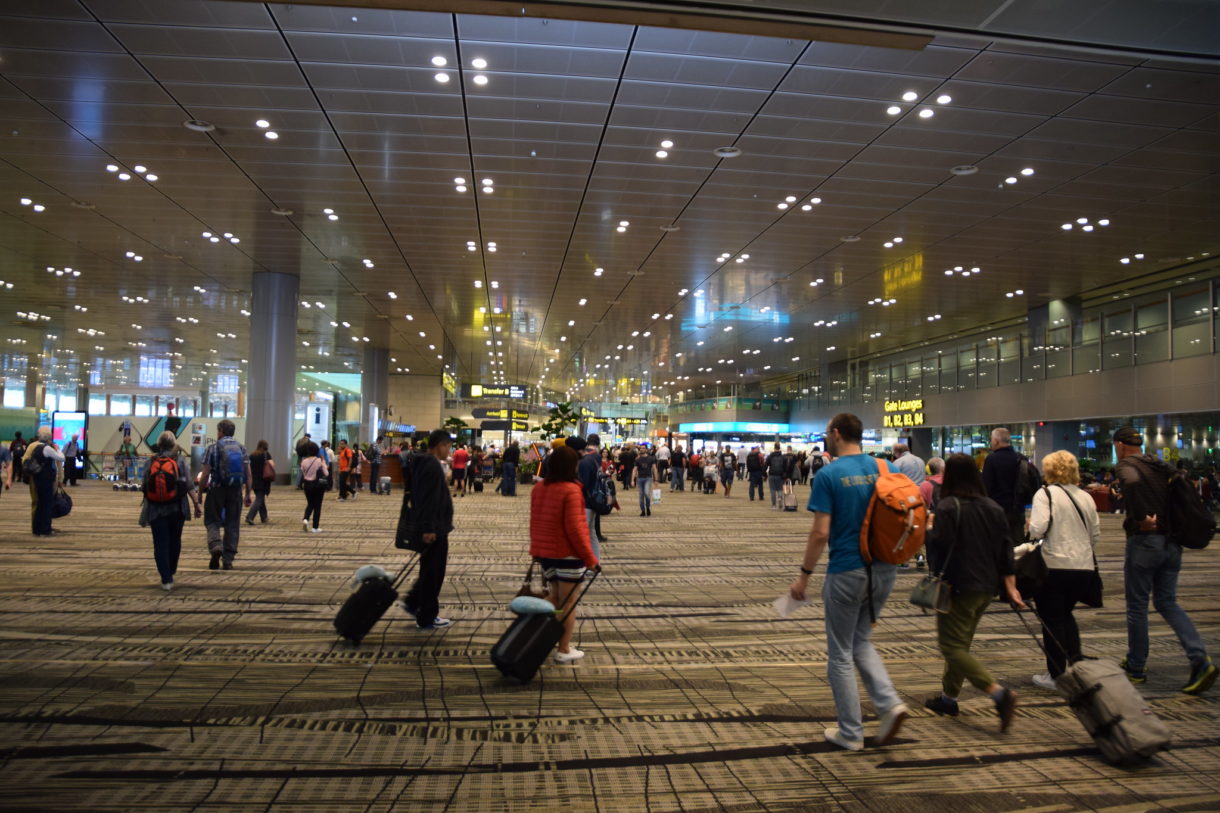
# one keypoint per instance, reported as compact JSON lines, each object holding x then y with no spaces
{"x":839,"y":499}
{"x":225,"y":475}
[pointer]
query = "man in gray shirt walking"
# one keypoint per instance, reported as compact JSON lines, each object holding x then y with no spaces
{"x":907,"y":463}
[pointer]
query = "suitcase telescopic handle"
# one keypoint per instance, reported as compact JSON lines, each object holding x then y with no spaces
{"x":578,"y":594}
{"x":406,"y":570}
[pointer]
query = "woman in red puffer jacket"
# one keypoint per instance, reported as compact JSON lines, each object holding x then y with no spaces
{"x":559,"y":539}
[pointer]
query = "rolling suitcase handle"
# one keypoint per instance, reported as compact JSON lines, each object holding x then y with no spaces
{"x":560,"y":612}
{"x":406,"y":570}
{"x":1045,"y":629}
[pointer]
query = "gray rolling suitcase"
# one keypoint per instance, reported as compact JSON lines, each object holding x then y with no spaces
{"x":1112,"y":711}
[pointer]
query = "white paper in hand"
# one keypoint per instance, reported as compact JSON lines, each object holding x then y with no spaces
{"x":786,"y":605}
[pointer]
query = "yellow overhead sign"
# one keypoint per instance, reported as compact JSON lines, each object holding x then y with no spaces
{"x":903,"y":414}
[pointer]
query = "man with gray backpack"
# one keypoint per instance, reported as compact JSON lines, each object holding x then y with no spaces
{"x":226,"y":473}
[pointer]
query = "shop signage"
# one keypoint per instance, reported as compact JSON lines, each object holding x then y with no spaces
{"x":735,"y":426}
{"x":502,"y":414}
{"x":497,"y":391}
{"x":619,"y":421}
{"x":903,"y":414}
{"x":502,"y":426}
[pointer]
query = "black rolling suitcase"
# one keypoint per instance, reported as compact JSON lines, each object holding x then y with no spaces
{"x":478,"y":486}
{"x":368,"y":604}
{"x":527,"y":642}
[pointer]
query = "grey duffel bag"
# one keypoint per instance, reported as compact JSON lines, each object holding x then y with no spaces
{"x":1113,"y":712}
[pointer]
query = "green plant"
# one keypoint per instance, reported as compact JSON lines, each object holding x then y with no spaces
{"x":458,"y":427}
{"x":561,"y":416}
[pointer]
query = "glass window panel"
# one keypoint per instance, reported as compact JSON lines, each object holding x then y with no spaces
{"x":50,"y":401}
{"x":1033,"y":356}
{"x":1010,"y":359}
{"x":1192,"y":322}
{"x":931,"y":374}
{"x":14,"y":393}
{"x":120,"y":405}
{"x":948,"y":371}
{"x":965,"y":368}
{"x":144,"y":406}
{"x":1116,"y":338}
{"x":1152,"y":329}
{"x":97,"y":404}
{"x":988,"y":357}
{"x":67,"y":401}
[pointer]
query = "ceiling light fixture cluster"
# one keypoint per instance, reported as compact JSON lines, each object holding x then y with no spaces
{"x":33,"y":316}
{"x":478,"y":63}
{"x":934,"y":317}
{"x":912,"y":96}
{"x":1084,"y":224}
{"x":131,"y":255}
{"x":60,"y":272}
{"x":330,"y":214}
{"x":813,"y":283}
{"x":138,"y":169}
{"x":1127,"y":260}
{"x":622,"y":226}
{"x":37,"y":207}
{"x":368,"y":263}
{"x":885,"y":303}
{"x":666,"y":145}
{"x":264,"y":125}
{"x":1017,"y":292}
{"x":965,"y":272}
{"x":213,"y":238}
{"x":1011,"y":180}
{"x":489,"y":185}
{"x":893,"y":242}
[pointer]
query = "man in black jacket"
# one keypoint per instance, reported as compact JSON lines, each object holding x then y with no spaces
{"x":1153,"y":563}
{"x":431,"y":519}
{"x":754,"y":469}
{"x":1000,"y":471}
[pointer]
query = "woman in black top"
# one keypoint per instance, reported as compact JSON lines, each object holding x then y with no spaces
{"x":262,"y":484}
{"x":968,"y":545}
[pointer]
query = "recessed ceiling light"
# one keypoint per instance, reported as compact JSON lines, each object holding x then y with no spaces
{"x":964,"y":169}
{"x":1027,"y":172}
{"x":893,"y":110}
{"x":199,"y":126}
{"x":439,"y":61}
{"x":1011,"y":179}
{"x":851,"y":238}
{"x":1066,"y":227}
{"x":781,"y":206}
{"x":271,"y":134}
{"x":478,"y":63}
{"x":944,"y":98}
{"x":727,"y":152}
{"x":480,"y":79}
{"x":927,"y":113}
{"x":263,"y":123}
{"x":910,"y":96}
{"x":1103,"y":222}
{"x":662,"y":154}
{"x":1082,"y":220}
{"x":441,"y":77}
{"x":123,"y":176}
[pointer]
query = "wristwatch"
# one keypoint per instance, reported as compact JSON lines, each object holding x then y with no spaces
{"x":806,"y":571}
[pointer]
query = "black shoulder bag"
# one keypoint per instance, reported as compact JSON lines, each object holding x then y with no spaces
{"x":1031,"y":569}
{"x":933,"y":592}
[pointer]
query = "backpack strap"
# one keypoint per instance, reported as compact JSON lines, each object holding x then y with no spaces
{"x":865,"y":553}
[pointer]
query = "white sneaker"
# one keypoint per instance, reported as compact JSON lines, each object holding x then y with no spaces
{"x":316,"y":530}
{"x":571,"y":656}
{"x":835,"y":737}
{"x":167,"y":586}
{"x":891,"y":722}
{"x":305,"y":525}
{"x":1045,"y":681}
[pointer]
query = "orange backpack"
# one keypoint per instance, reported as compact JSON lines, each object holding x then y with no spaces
{"x":895,"y":521}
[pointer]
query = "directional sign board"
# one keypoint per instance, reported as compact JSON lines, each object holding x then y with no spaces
{"x":501,"y":414}
{"x":500,"y":426}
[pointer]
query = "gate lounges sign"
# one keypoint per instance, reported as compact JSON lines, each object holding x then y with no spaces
{"x":735,"y":426}
{"x":903,"y":414}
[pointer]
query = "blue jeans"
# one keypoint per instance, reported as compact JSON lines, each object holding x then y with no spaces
{"x":678,"y":483}
{"x":849,"y":645}
{"x":167,"y":544}
{"x":644,"y":484}
{"x":591,"y":519}
{"x":508,"y":480}
{"x":1152,"y":567}
{"x":776,"y":481}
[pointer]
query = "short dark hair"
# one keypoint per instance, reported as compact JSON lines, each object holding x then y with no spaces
{"x":309,"y":449}
{"x":594,"y":439}
{"x":576,"y":442}
{"x":850,"y":428}
{"x":962,"y":478}
{"x":562,"y":468}
{"x":226,"y":428}
{"x":438,"y":436}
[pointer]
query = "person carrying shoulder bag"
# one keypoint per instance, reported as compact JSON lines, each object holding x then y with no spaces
{"x":968,"y":545}
{"x":1065,"y":518}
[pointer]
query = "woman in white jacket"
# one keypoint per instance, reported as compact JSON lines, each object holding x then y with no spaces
{"x":1064,"y":516}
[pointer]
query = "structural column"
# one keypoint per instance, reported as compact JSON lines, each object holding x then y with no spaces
{"x":271,"y":376}
{"x":374,"y":389}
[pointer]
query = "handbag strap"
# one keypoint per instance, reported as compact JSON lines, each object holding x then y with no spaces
{"x":1050,"y":509}
{"x":1087,"y":530}
{"x":953,"y":545}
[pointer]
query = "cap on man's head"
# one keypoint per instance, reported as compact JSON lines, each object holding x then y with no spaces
{"x":1129,"y":436}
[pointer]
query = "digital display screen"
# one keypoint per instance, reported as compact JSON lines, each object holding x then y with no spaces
{"x":66,"y":424}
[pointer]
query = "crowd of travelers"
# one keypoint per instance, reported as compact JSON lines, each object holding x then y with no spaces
{"x":985,"y":524}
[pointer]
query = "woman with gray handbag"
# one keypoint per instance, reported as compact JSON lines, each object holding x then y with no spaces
{"x":1064,"y":520}
{"x":968,"y":547}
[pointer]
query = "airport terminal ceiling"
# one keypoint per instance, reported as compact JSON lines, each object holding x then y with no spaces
{"x":617,"y":209}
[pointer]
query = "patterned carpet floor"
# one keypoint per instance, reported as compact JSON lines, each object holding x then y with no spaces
{"x":232,"y":693}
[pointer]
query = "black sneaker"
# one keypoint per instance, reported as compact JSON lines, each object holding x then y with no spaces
{"x":215,"y":563}
{"x":228,"y":565}
{"x":1202,"y":676}
{"x":1005,"y":708}
{"x":941,"y":705}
